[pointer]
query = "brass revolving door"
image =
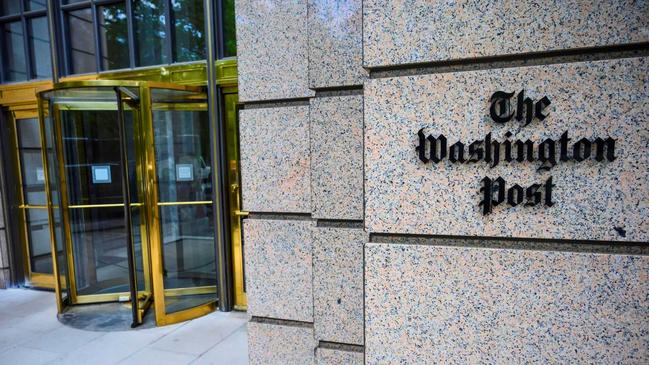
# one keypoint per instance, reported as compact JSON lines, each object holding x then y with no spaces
{"x":129,"y":186}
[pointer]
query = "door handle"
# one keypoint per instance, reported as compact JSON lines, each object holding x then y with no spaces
{"x":241,"y":213}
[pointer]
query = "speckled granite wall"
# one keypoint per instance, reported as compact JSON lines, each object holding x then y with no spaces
{"x":400,"y":32}
{"x":430,"y":304}
{"x":591,"y":199}
{"x":337,"y":157}
{"x":328,"y":164}
{"x":335,"y":43}
{"x":272,"y":49}
{"x":279,"y":268}
{"x":338,"y":284}
{"x":302,"y":165}
{"x":275,"y":174}
{"x":275,"y":344}
{"x":325,"y":356}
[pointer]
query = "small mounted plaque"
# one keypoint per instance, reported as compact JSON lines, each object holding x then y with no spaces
{"x":184,"y":172}
{"x":101,"y":174}
{"x":40,"y":175}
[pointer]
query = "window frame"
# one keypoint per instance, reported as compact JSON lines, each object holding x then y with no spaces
{"x":55,"y":14}
{"x":24,"y":16}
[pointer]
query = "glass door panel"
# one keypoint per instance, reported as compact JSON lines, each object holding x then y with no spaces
{"x":94,"y":179}
{"x":181,"y":135}
{"x":55,"y":210}
{"x":134,"y":218}
{"x":33,"y":207}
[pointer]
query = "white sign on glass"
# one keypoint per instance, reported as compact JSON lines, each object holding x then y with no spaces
{"x":184,"y":172}
{"x":40,"y":175}
{"x":101,"y":174}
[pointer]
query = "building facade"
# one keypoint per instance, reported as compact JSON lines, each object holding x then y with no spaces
{"x":392,"y":220}
{"x":402,"y":182}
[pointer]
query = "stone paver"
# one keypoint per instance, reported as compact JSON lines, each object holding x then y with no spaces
{"x":31,"y":334}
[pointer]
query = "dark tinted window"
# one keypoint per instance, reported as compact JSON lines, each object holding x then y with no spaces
{"x":81,"y":41}
{"x":113,"y":35}
{"x":8,"y":7}
{"x":13,"y":60}
{"x":151,"y":32}
{"x":229,"y":31}
{"x":189,"y":30}
{"x":39,"y":45}
{"x":35,"y":4}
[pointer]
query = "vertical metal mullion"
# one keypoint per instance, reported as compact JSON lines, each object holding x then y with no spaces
{"x":131,"y":35}
{"x":2,"y":46}
{"x":28,"y":63}
{"x":65,"y":49}
{"x":54,"y":39}
{"x":171,"y":38}
{"x":220,"y":45}
{"x":95,"y":22}
{"x":222,"y":237}
{"x":126,"y":196}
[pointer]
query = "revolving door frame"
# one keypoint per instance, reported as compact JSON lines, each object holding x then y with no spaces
{"x":149,"y":203}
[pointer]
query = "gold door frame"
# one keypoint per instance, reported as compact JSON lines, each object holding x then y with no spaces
{"x":37,"y":279}
{"x":21,"y":101}
{"x":149,"y":203}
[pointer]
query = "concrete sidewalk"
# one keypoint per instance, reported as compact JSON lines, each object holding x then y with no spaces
{"x":31,"y":334}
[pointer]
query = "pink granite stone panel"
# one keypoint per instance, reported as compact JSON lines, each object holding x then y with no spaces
{"x":335,"y":43}
{"x":279,"y":268}
{"x":272,"y":49}
{"x":404,"y":32}
{"x":337,"y":157}
{"x":275,"y":344}
{"x":454,"y":305}
{"x":592,"y":200}
{"x":326,"y":356}
{"x":338,"y":284}
{"x":275,"y":161}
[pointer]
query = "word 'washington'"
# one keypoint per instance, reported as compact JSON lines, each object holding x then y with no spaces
{"x":493,"y":151}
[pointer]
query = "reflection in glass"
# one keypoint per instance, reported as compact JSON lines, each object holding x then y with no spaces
{"x":31,"y":161}
{"x":81,"y":40}
{"x":52,"y":169}
{"x":229,"y":31}
{"x":189,"y":254}
{"x":189,"y":30}
{"x":8,"y":7}
{"x":35,"y":4}
{"x":182,"y":149}
{"x":91,"y":144}
{"x":100,"y":251}
{"x":13,"y":54}
{"x":113,"y":35}
{"x":38,"y":237}
{"x":39,"y":46}
{"x":183,"y":161}
{"x":99,"y":238}
{"x":150,"y":32}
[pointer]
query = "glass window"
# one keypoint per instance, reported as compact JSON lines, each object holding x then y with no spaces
{"x":35,"y":4}
{"x":14,"y":63}
{"x":81,"y":41}
{"x":8,"y":7}
{"x":38,"y":236}
{"x":31,"y":161}
{"x":39,"y":45}
{"x":189,"y":30}
{"x":229,"y":31}
{"x":150,"y":32}
{"x":113,"y":33}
